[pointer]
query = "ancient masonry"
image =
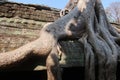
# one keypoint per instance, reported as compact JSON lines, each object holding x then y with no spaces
{"x":21,"y":23}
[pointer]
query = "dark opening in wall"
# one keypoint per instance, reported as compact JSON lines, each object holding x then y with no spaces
{"x":23,"y":75}
{"x":74,"y":73}
{"x":118,"y":71}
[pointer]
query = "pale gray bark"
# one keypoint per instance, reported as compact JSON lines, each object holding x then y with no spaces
{"x":99,"y":41}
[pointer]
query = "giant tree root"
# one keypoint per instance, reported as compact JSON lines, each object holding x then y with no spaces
{"x":86,"y":22}
{"x":99,"y":44}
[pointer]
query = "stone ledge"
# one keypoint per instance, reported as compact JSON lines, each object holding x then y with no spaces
{"x":29,"y":11}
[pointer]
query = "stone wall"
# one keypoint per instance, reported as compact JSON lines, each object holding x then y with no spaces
{"x":21,"y":23}
{"x":28,"y":11}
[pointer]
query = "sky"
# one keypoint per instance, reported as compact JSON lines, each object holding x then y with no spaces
{"x":60,"y":4}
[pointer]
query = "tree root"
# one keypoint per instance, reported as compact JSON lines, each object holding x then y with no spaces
{"x":86,"y":21}
{"x":99,"y":43}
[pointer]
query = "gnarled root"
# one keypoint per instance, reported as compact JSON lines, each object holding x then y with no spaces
{"x":100,"y":47}
{"x":52,"y":63}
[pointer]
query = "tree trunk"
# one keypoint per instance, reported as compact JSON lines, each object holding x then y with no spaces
{"x":86,"y":22}
{"x":99,"y":43}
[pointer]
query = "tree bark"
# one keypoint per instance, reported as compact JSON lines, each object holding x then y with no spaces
{"x":86,"y":22}
{"x":99,"y":40}
{"x":45,"y":45}
{"x":99,"y":43}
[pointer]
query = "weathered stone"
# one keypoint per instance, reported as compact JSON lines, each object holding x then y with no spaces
{"x":27,"y":11}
